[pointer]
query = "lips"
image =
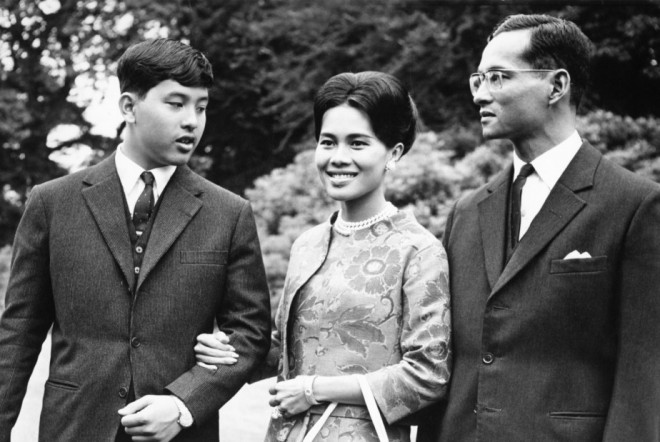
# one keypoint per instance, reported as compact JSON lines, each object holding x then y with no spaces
{"x":340,"y":177}
{"x":186,"y":141}
{"x":345,"y":175}
{"x":486,"y":113}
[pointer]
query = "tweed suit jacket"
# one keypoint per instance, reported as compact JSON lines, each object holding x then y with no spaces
{"x":72,"y":269}
{"x":550,"y":349}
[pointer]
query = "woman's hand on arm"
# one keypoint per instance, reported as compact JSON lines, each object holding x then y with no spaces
{"x":214,"y":349}
{"x":289,"y":396}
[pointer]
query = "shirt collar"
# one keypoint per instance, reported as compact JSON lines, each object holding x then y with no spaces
{"x":551,"y":164}
{"x":129,"y":173}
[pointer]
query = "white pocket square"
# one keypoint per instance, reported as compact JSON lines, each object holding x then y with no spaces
{"x":577,"y":255}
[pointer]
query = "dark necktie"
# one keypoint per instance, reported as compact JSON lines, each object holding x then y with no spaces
{"x":516,"y":194}
{"x":145,"y":204}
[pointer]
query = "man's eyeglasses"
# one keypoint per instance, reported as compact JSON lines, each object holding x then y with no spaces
{"x":494,"y":78}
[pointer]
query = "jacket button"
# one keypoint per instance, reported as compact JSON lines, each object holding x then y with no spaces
{"x":488,"y":358}
{"x":136,"y":270}
{"x":123,"y":392}
{"x":135,"y":342}
{"x":139,"y":249}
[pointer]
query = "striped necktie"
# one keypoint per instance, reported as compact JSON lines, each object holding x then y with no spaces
{"x":144,"y":205}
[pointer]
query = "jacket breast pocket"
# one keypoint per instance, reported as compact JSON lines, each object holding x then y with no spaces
{"x":62,"y":385}
{"x":208,"y":257}
{"x":583,"y":426}
{"x":577,"y":415}
{"x":586,"y":265}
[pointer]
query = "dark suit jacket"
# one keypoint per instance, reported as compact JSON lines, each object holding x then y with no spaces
{"x":72,"y":269}
{"x":547,"y":349}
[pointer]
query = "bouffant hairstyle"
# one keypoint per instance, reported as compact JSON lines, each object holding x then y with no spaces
{"x":382,"y":97}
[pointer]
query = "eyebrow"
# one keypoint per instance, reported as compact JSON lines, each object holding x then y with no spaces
{"x":184,"y":96}
{"x":355,"y":135}
{"x":492,"y":68}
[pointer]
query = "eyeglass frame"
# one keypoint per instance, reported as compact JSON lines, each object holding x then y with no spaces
{"x":489,"y":74}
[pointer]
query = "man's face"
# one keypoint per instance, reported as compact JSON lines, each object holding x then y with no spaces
{"x":168,"y":124}
{"x":519,"y":109}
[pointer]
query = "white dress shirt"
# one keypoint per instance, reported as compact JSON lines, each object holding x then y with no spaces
{"x":548,"y":167}
{"x":129,"y":175}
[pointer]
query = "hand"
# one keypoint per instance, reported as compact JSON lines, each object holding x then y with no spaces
{"x":289,"y":396}
{"x":212,"y":350}
{"x":151,"y":418}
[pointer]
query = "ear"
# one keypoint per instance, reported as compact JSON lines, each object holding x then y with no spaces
{"x":397,"y":152}
{"x":560,"y":86}
{"x":127,"y":102}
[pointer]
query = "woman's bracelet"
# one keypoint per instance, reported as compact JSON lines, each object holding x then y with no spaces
{"x":308,"y":389}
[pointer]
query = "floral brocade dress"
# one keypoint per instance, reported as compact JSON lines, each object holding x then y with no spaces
{"x":374,"y":302}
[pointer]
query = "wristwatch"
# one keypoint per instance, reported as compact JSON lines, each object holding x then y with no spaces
{"x":185,"y":418}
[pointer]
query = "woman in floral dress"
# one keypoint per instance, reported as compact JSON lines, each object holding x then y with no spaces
{"x":366,"y":292}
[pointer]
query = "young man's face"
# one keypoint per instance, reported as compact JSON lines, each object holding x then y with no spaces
{"x":519,"y":109}
{"x":168,"y":124}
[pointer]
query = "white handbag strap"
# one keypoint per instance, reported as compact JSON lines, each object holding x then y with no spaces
{"x":309,"y":437}
{"x":374,"y":413}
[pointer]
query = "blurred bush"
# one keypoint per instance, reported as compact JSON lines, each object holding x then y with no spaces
{"x":434,"y":174}
{"x":439,"y":169}
{"x":634,"y":143}
{"x":5,"y":258}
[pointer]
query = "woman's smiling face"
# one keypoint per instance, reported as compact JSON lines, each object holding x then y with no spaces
{"x":350,"y":158}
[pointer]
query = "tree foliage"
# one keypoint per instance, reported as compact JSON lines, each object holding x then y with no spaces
{"x":269,"y":57}
{"x":46,"y":49}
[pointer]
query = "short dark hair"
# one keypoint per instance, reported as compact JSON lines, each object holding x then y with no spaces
{"x":391,"y":111}
{"x":146,"y":64}
{"x":555,"y":43}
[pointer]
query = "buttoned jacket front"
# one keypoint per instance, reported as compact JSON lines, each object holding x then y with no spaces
{"x":73,"y":269}
{"x":554,"y":349}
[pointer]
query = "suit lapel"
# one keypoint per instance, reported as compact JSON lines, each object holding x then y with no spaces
{"x":178,"y":207}
{"x":304,"y":265}
{"x":562,"y":205}
{"x":311,"y":261}
{"x":103,"y":196}
{"x":492,"y":223}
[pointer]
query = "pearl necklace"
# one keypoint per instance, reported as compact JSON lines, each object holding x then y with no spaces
{"x":346,"y":228}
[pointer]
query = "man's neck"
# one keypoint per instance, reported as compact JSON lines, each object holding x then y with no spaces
{"x":530,"y":148}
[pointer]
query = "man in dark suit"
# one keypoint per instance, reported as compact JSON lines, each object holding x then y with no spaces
{"x":129,"y":261}
{"x":555,"y":278}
